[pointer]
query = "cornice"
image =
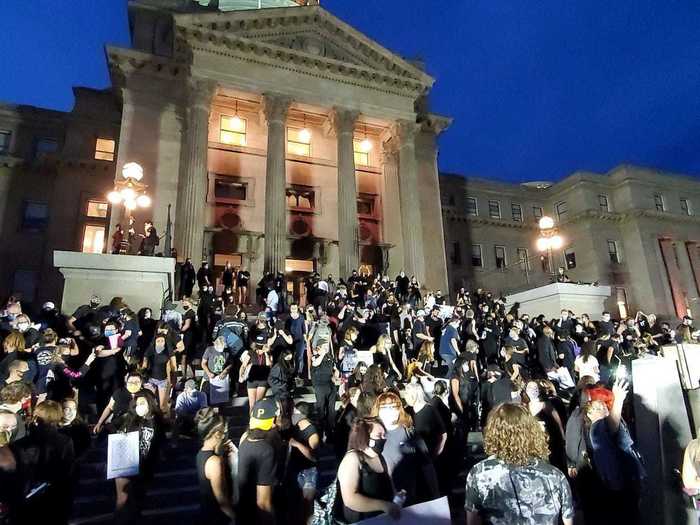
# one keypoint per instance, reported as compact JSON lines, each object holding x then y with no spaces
{"x":454,"y":216}
{"x":129,"y":61}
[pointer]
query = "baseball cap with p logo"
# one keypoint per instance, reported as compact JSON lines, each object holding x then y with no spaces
{"x":263,"y":414}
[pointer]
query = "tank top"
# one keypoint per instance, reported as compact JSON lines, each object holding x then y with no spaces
{"x":209,"y":511}
{"x":372,"y":484}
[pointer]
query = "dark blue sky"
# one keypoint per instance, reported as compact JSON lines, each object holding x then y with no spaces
{"x":537,"y":89}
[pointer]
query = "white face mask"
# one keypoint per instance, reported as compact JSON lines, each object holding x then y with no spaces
{"x":142,"y":410}
{"x":23,"y":327}
{"x":533,"y":393}
{"x":389,"y":416}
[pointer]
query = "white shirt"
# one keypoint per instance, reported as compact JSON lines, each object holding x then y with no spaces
{"x":589,"y":368}
{"x":272,"y":300}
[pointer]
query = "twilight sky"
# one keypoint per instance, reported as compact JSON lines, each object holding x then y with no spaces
{"x":537,"y":89}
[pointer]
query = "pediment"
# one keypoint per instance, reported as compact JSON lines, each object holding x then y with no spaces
{"x":310,"y":31}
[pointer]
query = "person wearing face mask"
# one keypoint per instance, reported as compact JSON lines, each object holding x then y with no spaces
{"x":281,"y":378}
{"x":605,"y":325}
{"x":108,"y":371}
{"x":161,"y":364}
{"x":32,"y":337}
{"x":205,"y":277}
{"x":187,"y":404}
{"x":188,"y":276}
{"x":73,"y":426}
{"x":325,"y":378}
{"x":215,"y":495}
{"x":120,"y":400}
{"x":366,"y":488}
{"x":406,"y":454}
{"x":145,"y":418}
{"x":84,"y":315}
{"x":16,"y":372}
{"x":147,"y":327}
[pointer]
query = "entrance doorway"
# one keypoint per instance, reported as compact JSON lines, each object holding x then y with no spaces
{"x":297,"y":272}
{"x":220,"y":260}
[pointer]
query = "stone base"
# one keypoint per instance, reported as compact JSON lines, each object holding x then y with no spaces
{"x":551,"y":299}
{"x":141,"y":281}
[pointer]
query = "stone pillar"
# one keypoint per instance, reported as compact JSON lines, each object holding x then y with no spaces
{"x":391,"y":212}
{"x":275,"y":112}
{"x":675,"y":280}
{"x":694,"y":257}
{"x":688,"y":279}
{"x":192,"y":183}
{"x":348,"y":248}
{"x":411,"y":224}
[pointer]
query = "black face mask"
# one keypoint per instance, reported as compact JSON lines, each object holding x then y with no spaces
{"x":378,"y":446}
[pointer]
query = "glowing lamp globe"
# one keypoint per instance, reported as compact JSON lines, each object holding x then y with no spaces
{"x":542,"y":244}
{"x":546,"y":223}
{"x":114,"y":197}
{"x":236,"y":122}
{"x":305,"y":136}
{"x":132,"y":170}
{"x":128,"y":194}
{"x":365,"y":146}
{"x":144,"y":201}
{"x":130,"y":204}
{"x":556,"y":242}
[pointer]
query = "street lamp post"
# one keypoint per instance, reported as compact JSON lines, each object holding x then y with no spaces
{"x":549,"y":240}
{"x":131,"y":191}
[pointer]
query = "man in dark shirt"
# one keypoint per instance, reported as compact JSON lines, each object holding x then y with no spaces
{"x":187,"y":278}
{"x":296,"y":327}
{"x":419,"y":331}
{"x":434,"y":324}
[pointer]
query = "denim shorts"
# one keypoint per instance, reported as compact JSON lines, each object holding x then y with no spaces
{"x":158,"y":383}
{"x":308,"y":478}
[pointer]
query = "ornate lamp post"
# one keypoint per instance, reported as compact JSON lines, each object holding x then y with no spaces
{"x":131,"y":191}
{"x":548,"y":240}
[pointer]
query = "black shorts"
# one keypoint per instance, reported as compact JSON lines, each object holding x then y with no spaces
{"x":256,"y":383}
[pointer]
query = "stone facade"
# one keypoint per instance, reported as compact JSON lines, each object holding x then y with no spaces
{"x":633,"y":229}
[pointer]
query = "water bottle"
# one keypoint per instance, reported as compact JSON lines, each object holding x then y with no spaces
{"x":400,"y":498}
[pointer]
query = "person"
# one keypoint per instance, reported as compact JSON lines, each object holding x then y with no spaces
{"x":15,"y":349}
{"x":302,"y":470}
{"x":109,"y":367}
{"x":281,"y":378}
{"x":272,"y":300}
{"x":254,"y":371}
{"x":120,"y":400}
{"x":259,"y":460}
{"x":205,"y":279}
{"x":217,"y":362}
{"x":546,"y":351}
{"x":295,"y":325}
{"x":515,"y":484}
{"x":587,"y":364}
{"x":73,"y":426}
{"x":464,"y":387}
{"x":118,"y":240}
{"x":17,"y":370}
{"x":449,"y":343}
{"x":228,"y":276}
{"x":150,"y":239}
{"x":187,"y":404}
{"x":188,"y":331}
{"x":543,"y":410}
{"x":160,"y":362}
{"x":215,"y":495}
{"x":366,"y":488}
{"x":406,"y":454}
{"x":143,"y":417}
{"x":427,"y":421}
{"x":242,"y":281}
{"x":324,"y":378}
{"x":16,"y":399}
{"x":188,"y":276}
{"x":613,"y":455}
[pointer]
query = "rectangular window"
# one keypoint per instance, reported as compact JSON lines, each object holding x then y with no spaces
{"x":537,"y":212}
{"x":614,"y":252}
{"x":233,"y":130}
{"x":35,"y":216}
{"x":104,"y":149}
{"x":570,"y":258}
{"x":298,"y":143}
{"x":456,"y":255}
{"x":603,"y":203}
{"x":365,"y":204}
{"x":517,"y":212}
{"x":472,"y":207}
{"x":659,"y":202}
{"x":97,"y":209}
{"x":500,"y":252}
{"x":685,"y":207}
{"x":93,"y":238}
{"x":477,"y":260}
{"x":44,"y":146}
{"x":523,"y":259}
{"x":494,"y":209}
{"x":562,"y":209}
{"x":5,"y":137}
{"x":302,"y":197}
{"x":25,"y":283}
{"x":226,"y":191}
{"x":361,"y":152}
{"x":621,"y":296}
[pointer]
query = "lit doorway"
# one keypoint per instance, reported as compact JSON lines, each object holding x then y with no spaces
{"x":297,"y":272}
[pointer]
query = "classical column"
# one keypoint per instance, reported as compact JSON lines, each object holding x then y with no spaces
{"x":675,"y":279}
{"x":343,"y":121}
{"x":411,"y":224}
{"x":192,"y":181}
{"x":686,"y":269}
{"x":392,"y":257}
{"x":694,"y":257}
{"x":275,"y":112}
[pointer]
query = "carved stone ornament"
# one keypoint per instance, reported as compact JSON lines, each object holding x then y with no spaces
{"x":343,"y":120}
{"x":275,"y":107}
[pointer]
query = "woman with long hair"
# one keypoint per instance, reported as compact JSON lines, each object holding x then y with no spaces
{"x":547,"y":351}
{"x":515,"y":484}
{"x":373,"y":381}
{"x":383,"y":355}
{"x":281,"y":378}
{"x":366,"y":489}
{"x":160,"y":361}
{"x":543,"y":410}
{"x":587,"y":364}
{"x":464,"y":388}
{"x":254,"y":371}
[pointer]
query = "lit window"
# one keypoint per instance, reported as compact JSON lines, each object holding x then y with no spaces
{"x":104,"y":149}
{"x":603,"y":203}
{"x":35,"y":216}
{"x":570,"y":258}
{"x":494,"y":209}
{"x":517,"y":212}
{"x":302,"y":197}
{"x":298,"y":143}
{"x":233,"y":130}
{"x":44,"y":146}
{"x":659,"y":202}
{"x":685,"y":207}
{"x":361,"y":152}
{"x":562,"y":209}
{"x":227,"y":190}
{"x":614,"y":252}
{"x":537,"y":212}
{"x":621,"y":296}
{"x":5,"y":137}
{"x":472,"y":207}
{"x":365,"y":205}
{"x":456,"y":255}
{"x":93,"y":238}
{"x":477,"y":259}
{"x":523,"y":259}
{"x":500,"y":252}
{"x":97,"y":209}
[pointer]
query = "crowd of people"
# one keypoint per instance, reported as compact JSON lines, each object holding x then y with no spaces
{"x":398,"y":381}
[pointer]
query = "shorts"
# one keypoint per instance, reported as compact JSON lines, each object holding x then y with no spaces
{"x":158,"y":383}
{"x":256,"y":383}
{"x":307,"y":479}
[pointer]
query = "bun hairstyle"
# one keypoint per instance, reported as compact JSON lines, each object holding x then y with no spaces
{"x":208,"y":421}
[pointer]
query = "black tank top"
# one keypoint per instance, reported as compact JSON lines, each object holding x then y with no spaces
{"x":373,"y":484}
{"x":210,"y":512}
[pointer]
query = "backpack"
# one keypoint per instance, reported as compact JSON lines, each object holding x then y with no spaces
{"x":232,"y":339}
